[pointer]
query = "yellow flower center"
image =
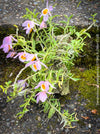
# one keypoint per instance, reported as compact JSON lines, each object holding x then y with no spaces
{"x":28,"y":25}
{"x":30,"y":30}
{"x":9,"y":47}
{"x":33,"y":58}
{"x":45,"y":11}
{"x":35,"y":67}
{"x":43,"y":86}
{"x":23,"y":57}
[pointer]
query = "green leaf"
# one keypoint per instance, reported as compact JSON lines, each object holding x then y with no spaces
{"x":77,"y":33}
{"x":25,"y":110}
{"x":33,"y":100}
{"x":23,"y":105}
{"x":55,"y":16}
{"x":34,"y":78}
{"x":75,"y":79}
{"x":62,"y":21}
{"x":8,"y":83}
{"x":51,"y":113}
{"x":2,"y":88}
{"x":19,"y":113}
{"x":88,"y":35}
{"x":82,"y":31}
{"x":46,"y":107}
{"x":78,"y":4}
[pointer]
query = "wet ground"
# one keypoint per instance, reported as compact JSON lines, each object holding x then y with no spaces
{"x":11,"y":11}
{"x":34,"y":121}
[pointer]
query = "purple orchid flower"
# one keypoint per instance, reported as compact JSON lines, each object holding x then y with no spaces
{"x":43,"y":25}
{"x":29,"y":25}
{"x":46,"y":12}
{"x":44,"y":85}
{"x":22,"y":56}
{"x":22,"y":84}
{"x":32,"y":57}
{"x":36,"y":65}
{"x":11,"y":54}
{"x":7,"y":43}
{"x":42,"y":96}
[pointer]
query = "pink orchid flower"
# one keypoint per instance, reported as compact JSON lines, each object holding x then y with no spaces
{"x":29,"y":25}
{"x":46,"y":12}
{"x":22,"y":84}
{"x":36,"y":65}
{"x":42,"y":96}
{"x":43,"y":25}
{"x":32,"y":57}
{"x":22,"y":56}
{"x":7,"y":43}
{"x":44,"y":85}
{"x":11,"y":54}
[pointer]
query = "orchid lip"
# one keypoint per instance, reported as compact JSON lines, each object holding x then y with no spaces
{"x":45,"y":11}
{"x":43,"y":86}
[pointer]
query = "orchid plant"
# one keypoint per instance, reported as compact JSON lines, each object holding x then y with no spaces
{"x":50,"y":57}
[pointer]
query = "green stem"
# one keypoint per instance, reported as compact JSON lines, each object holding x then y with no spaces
{"x":19,"y":75}
{"x":63,"y":116}
{"x":30,"y":76}
{"x":40,"y":39}
{"x":85,"y":30}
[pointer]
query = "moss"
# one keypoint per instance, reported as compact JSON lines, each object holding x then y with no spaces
{"x":6,"y":30}
{"x":86,"y":86}
{"x":11,"y":69}
{"x":39,"y":125}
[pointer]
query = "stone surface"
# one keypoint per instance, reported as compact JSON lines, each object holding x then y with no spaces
{"x":11,"y":11}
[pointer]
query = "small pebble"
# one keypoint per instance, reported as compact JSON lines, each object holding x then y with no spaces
{"x":39,"y":118}
{"x":7,"y":119}
{"x":12,"y":101}
{"x":13,"y":121}
{"x":89,"y":125}
{"x":49,"y":132}
{"x":35,"y":3}
{"x":8,"y":124}
{"x":66,"y":130}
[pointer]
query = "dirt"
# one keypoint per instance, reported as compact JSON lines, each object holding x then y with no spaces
{"x":11,"y":12}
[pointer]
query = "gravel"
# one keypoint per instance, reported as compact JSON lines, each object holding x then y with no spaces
{"x":11,"y":12}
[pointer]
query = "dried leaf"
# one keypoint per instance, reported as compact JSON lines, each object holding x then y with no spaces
{"x":85,"y":117}
{"x":94,"y":111}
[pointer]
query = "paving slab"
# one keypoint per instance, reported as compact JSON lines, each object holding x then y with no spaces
{"x":11,"y":11}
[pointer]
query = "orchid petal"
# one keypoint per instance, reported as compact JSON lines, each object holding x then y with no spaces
{"x":14,"y":38}
{"x":37,"y":100}
{"x":47,"y":4}
{"x":50,"y":8}
{"x":30,"y":63}
{"x":43,"y":25}
{"x":44,"y":65}
{"x":39,"y":84}
{"x":38,"y":65}
{"x":49,"y":92}
{"x":45,"y":18}
{"x":51,"y":85}
{"x":43,"y":96}
{"x":10,"y":54}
